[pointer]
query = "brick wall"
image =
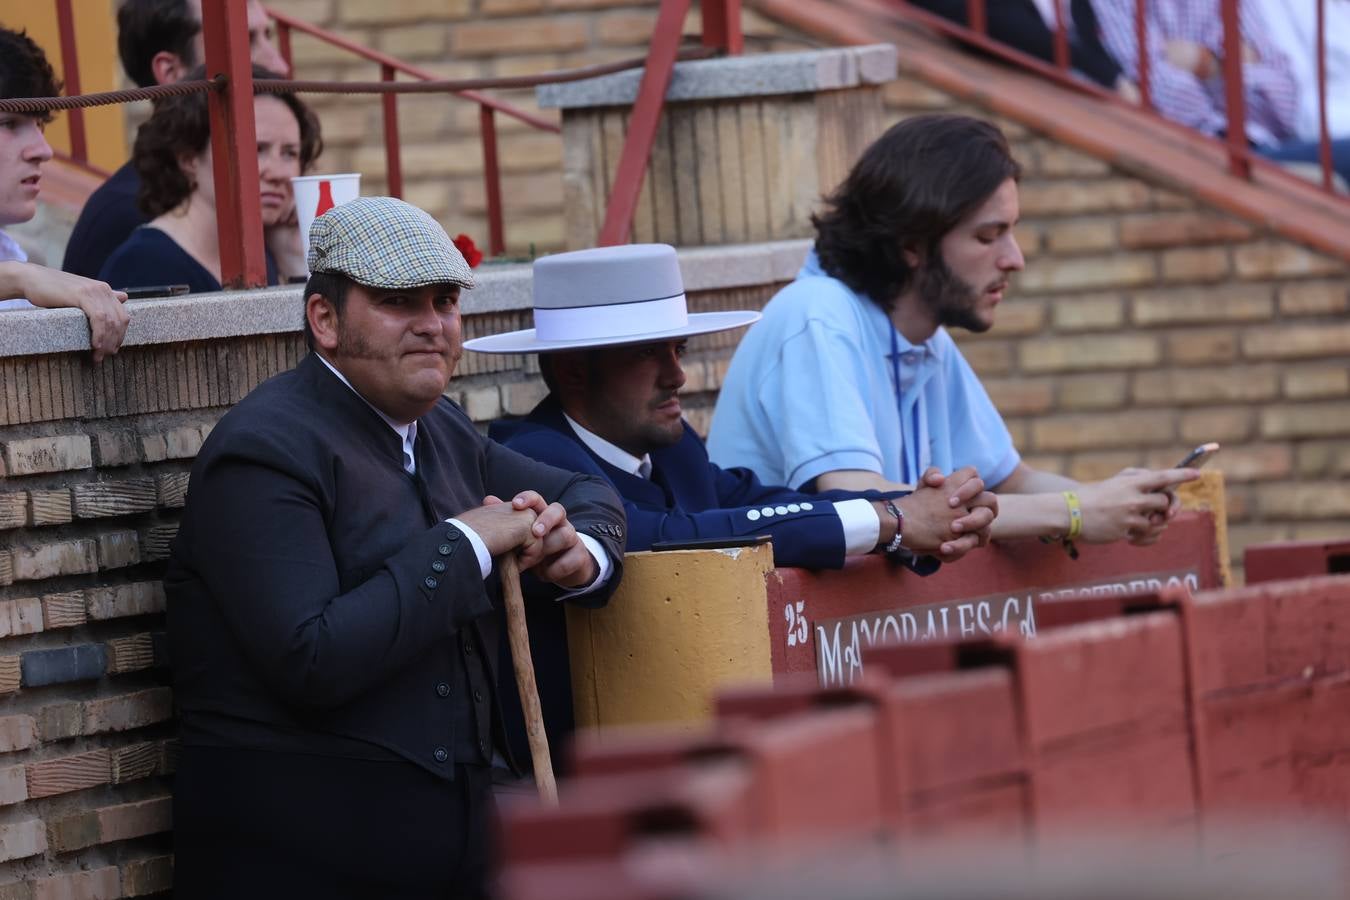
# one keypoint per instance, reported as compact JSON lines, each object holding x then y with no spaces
{"x":442,"y":157}
{"x":95,"y":463}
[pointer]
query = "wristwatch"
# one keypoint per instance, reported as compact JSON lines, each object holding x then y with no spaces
{"x":894,"y":545}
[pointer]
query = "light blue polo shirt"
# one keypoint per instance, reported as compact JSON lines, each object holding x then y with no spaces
{"x":813,"y":388}
{"x":11,"y":251}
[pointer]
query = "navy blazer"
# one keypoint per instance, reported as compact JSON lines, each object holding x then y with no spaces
{"x":317,"y":600}
{"x":687,"y":497}
{"x":690,"y":497}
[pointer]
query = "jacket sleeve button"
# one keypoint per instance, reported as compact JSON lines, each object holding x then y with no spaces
{"x":431,"y":582}
{"x":440,"y":755}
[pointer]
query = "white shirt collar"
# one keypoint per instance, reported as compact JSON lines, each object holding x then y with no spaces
{"x":407,"y":432}
{"x":612,"y":454}
{"x":10,"y":249}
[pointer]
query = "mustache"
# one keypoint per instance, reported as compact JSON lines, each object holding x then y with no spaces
{"x":665,"y":398}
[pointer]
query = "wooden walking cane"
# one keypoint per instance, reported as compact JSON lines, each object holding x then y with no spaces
{"x":519,"y":636}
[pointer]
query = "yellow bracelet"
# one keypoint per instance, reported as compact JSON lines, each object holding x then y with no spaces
{"x":1075,"y":515}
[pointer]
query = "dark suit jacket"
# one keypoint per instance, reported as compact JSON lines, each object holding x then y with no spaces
{"x":317,"y":602}
{"x":108,"y":218}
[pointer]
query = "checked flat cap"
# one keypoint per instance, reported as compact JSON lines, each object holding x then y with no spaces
{"x":385,"y":243}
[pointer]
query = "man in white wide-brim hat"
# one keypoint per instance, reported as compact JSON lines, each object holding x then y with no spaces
{"x":611,"y":326}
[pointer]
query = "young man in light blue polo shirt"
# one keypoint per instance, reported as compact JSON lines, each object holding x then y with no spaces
{"x":851,"y":381}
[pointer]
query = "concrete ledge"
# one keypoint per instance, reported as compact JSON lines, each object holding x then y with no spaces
{"x":764,"y":74}
{"x":741,"y":265}
{"x":507,"y":288}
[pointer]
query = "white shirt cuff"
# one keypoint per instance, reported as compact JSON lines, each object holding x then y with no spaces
{"x":480,"y":549}
{"x":604,"y":568}
{"x":862,"y":526}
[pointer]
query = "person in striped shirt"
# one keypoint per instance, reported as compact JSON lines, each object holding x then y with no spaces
{"x":1185,"y":66}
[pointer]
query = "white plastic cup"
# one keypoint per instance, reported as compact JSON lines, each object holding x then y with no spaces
{"x":316,"y":194}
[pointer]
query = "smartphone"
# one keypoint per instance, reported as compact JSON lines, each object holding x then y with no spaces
{"x":1199,"y":456}
{"x":713,"y":543}
{"x":155,"y":290}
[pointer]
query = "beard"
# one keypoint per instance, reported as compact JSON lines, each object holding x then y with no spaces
{"x":353,"y":343}
{"x":952,"y":300}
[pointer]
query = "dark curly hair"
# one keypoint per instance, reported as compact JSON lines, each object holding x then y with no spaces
{"x":145,"y":27}
{"x":25,"y":71}
{"x":181,"y":126}
{"x":909,"y":188}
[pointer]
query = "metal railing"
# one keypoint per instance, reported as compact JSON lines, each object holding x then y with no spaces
{"x":390,"y":69}
{"x":230,"y":88}
{"x":1240,"y":155}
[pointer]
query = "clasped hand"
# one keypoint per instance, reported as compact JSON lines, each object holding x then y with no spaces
{"x":539,"y":534}
{"x":948,"y":515}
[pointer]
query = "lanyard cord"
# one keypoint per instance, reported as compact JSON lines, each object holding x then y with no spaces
{"x":909,"y":449}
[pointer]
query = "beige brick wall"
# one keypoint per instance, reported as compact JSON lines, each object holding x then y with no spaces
{"x":442,"y":156}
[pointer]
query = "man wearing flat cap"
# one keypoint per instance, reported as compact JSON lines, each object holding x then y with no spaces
{"x":332,"y":596}
{"x":610,"y":327}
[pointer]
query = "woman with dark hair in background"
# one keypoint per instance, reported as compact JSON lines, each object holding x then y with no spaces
{"x":179,"y":244}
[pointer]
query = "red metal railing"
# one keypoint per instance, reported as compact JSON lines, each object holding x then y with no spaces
{"x":390,"y":68}
{"x":721,"y":31}
{"x":70,"y":72}
{"x":1241,"y":157}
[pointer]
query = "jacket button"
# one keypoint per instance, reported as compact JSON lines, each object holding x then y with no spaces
{"x":443,"y":549}
{"x":431,"y":582}
{"x":452,"y":535}
{"x":477,"y":696}
{"x":443,"y":689}
{"x":437,"y":565}
{"x":441,"y":755}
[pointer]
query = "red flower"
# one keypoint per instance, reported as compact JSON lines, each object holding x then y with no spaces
{"x":472,"y":255}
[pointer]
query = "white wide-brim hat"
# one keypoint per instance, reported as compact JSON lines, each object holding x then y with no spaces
{"x":606,"y":296}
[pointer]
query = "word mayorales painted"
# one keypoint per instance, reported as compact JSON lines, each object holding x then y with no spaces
{"x":840,"y":642}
